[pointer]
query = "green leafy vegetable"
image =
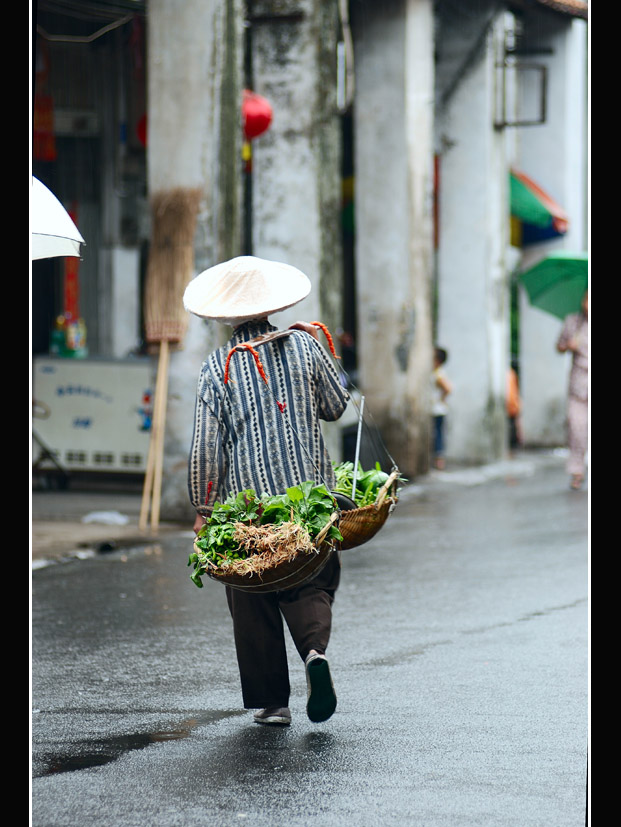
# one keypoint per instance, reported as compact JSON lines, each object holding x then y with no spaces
{"x":309,"y":505}
{"x":368,"y":483}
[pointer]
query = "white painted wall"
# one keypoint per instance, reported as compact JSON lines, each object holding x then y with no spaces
{"x":554,"y":154}
{"x":393,"y":134}
{"x":382,"y":222}
{"x":187,"y":63}
{"x":296,"y":163}
{"x":293,"y":187}
{"x":125,"y":300}
{"x":473,"y":321}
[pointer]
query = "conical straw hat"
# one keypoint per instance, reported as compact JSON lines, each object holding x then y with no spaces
{"x":245,"y":288}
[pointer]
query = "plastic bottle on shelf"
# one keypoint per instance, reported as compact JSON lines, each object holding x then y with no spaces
{"x":57,"y":337}
{"x":75,"y":339}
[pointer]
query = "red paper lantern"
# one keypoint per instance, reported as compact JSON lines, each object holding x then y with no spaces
{"x":257,"y":114}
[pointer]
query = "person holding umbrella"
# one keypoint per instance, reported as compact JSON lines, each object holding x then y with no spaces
{"x":266,"y":436}
{"x":574,"y":338}
{"x":558,"y":284}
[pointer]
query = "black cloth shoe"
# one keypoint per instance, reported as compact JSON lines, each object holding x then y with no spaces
{"x":279,"y":715}
{"x":321,"y":701}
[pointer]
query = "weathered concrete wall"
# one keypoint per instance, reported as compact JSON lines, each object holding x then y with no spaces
{"x":393,"y":129}
{"x":296,"y":163}
{"x":413,"y":403}
{"x":296,"y":182}
{"x":554,"y":154}
{"x":473,"y":295}
{"x":194,"y":142}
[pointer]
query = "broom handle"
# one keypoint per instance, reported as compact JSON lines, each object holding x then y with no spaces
{"x":147,"y":490}
{"x":148,"y":484}
{"x":160,"y":424}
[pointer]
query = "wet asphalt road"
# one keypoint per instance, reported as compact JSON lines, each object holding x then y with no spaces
{"x":459,"y":655}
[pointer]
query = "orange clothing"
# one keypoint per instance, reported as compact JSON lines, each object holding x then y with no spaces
{"x":513,"y":394}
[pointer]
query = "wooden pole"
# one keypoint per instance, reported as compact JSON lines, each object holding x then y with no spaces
{"x":153,"y":473}
{"x":159,"y":445}
{"x":147,"y":486}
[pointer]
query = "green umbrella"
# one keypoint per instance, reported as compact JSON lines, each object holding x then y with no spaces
{"x":557,"y":283}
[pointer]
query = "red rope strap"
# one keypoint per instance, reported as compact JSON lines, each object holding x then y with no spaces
{"x":255,"y":355}
{"x":328,"y":337}
{"x":256,"y":359}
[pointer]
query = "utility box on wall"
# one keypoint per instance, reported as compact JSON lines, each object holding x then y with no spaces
{"x":92,"y":415}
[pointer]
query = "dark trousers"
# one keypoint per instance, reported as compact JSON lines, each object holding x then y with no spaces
{"x":260,"y":638}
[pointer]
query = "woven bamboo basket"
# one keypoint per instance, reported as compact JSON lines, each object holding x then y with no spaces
{"x":285,"y":574}
{"x":359,"y":525}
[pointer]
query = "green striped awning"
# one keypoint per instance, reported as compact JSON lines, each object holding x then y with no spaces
{"x":531,"y":205}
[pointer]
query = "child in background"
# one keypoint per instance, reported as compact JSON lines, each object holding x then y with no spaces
{"x":440,"y":389}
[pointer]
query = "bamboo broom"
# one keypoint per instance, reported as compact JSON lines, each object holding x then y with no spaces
{"x":169,"y":269}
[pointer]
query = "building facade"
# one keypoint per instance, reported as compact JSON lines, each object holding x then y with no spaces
{"x":384,"y":175}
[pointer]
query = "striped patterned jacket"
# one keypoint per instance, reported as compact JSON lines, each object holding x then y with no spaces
{"x":258,"y":435}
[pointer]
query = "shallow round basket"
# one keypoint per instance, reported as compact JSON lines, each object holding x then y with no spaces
{"x":285,"y":575}
{"x":359,"y":525}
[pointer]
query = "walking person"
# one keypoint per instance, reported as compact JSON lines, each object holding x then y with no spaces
{"x":440,"y":389}
{"x":574,"y":338}
{"x":241,"y":441}
{"x":513,"y":405}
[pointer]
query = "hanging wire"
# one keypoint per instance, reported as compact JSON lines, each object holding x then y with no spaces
{"x":373,"y":433}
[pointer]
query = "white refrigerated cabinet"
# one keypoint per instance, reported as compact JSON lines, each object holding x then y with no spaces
{"x":91,"y":414}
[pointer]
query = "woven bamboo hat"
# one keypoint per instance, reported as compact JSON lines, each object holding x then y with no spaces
{"x":245,"y":288}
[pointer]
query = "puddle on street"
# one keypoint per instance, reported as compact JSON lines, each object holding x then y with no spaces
{"x":99,"y":751}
